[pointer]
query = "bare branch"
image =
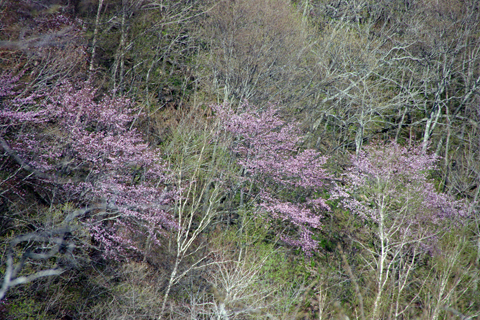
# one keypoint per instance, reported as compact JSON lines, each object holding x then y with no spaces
{"x":56,"y":236}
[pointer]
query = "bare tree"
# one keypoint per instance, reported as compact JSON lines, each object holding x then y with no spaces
{"x":198,"y":169}
{"x":392,"y":69}
{"x":255,"y":51}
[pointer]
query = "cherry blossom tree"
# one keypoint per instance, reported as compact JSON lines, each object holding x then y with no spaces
{"x":389,"y":189}
{"x":72,"y":149}
{"x":288,"y":180}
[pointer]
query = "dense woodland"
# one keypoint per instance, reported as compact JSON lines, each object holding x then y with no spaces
{"x":239,"y":159}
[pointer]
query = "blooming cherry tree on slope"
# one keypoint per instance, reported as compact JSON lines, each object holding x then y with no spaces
{"x":388,"y":188}
{"x":388,"y":185}
{"x":289,"y":180}
{"x":84,"y":151}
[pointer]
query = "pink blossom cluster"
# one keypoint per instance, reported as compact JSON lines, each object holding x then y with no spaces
{"x":268,"y":150}
{"x":92,"y":154}
{"x":7,"y":84}
{"x":390,"y":182}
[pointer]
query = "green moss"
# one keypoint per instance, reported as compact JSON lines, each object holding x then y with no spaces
{"x":24,"y":309}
